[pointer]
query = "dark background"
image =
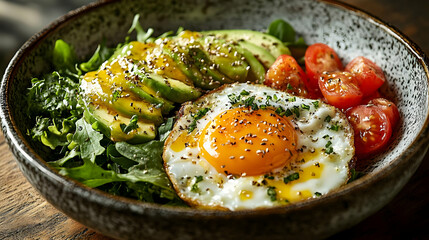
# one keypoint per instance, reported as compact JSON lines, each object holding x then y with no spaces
{"x":403,"y":218}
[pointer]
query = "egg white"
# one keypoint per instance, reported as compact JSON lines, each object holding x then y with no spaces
{"x":199,"y":184}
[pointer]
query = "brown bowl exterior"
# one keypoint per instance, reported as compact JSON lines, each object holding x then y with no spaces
{"x":349,"y":31}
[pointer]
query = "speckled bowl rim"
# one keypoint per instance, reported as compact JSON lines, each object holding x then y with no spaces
{"x":117,"y":202}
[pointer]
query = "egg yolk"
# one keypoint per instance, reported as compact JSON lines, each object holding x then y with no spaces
{"x":245,"y":142}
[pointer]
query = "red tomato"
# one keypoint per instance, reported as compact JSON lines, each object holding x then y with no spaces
{"x":340,"y":89}
{"x":369,"y":75}
{"x":375,"y":95}
{"x":320,"y":58}
{"x":372,"y":129}
{"x":285,"y":74}
{"x":389,"y":108}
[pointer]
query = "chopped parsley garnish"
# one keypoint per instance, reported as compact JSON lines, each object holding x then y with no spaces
{"x":328,"y":118}
{"x":292,"y":99}
{"x":116,"y":95}
{"x":197,"y":116}
{"x":288,"y":112}
{"x":316,"y":104}
{"x":249,"y":102}
{"x":244,"y":93}
{"x":280,"y":111}
{"x":289,"y":86}
{"x":317,"y":194}
{"x":233,"y":99}
{"x":295,"y":110}
{"x":334,"y":127}
{"x":328,"y":148}
{"x":305,"y":106}
{"x":268,"y":177}
{"x":131,"y":126}
{"x":271,"y":191}
{"x":290,"y":178}
{"x":269,"y":98}
{"x":195,"y":187}
{"x":275,"y":97}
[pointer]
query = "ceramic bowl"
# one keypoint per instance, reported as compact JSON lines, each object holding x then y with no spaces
{"x":349,"y":31}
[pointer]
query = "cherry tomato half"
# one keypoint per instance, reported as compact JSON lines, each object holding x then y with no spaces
{"x":320,"y":58}
{"x":389,"y":108}
{"x":340,"y":89}
{"x":374,"y":95}
{"x":369,"y":75}
{"x":285,"y":74}
{"x":372,"y":129}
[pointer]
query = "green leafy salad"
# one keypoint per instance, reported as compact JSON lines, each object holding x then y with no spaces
{"x":104,"y":121}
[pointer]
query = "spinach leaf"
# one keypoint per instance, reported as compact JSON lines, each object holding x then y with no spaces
{"x":282,"y":30}
{"x":165,"y":129}
{"x":117,"y":158}
{"x":149,"y":157}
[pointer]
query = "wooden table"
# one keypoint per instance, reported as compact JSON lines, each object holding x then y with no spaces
{"x":25,"y":215}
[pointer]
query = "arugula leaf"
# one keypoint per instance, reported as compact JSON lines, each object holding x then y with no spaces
{"x":282,"y":30}
{"x":70,"y":155}
{"x":101,"y":54}
{"x":142,"y":35}
{"x":88,"y":140}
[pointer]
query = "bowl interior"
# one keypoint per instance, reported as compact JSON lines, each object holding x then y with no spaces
{"x":350,"y":33}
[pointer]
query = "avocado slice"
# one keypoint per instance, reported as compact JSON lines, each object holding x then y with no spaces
{"x":165,"y":105}
{"x":120,"y":100}
{"x":257,"y":70}
{"x":190,"y":70}
{"x":169,"y":88}
{"x":129,"y":106}
{"x":206,"y":66}
{"x":270,"y":43}
{"x":260,"y":53}
{"x":226,"y":57}
{"x":109,"y":123}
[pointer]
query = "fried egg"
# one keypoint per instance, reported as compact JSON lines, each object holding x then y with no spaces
{"x":248,"y":146}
